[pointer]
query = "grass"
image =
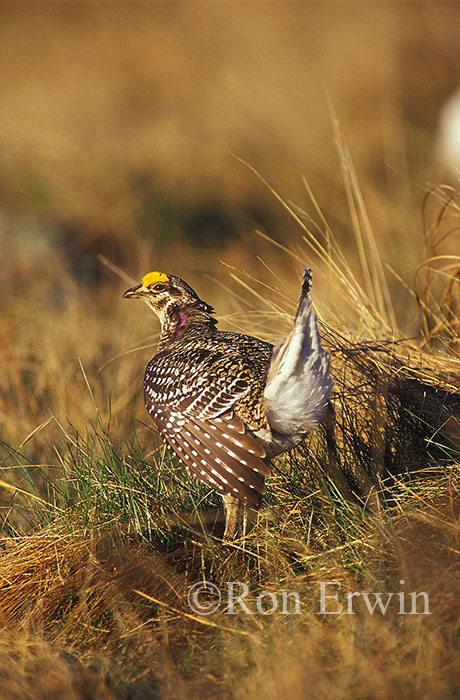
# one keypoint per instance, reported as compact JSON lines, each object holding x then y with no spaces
{"x":105,"y":535}
{"x":103,"y":578}
{"x":102,"y":531}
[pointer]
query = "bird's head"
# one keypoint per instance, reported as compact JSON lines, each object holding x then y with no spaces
{"x":173,"y":300}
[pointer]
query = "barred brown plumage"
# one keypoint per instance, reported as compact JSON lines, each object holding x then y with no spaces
{"x":227,"y":402}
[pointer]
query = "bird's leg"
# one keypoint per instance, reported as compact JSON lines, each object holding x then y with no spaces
{"x":239,"y":517}
{"x":233,"y":514}
{"x":246,"y":522}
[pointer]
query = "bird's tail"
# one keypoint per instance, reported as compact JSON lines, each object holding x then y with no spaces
{"x":298,"y":384}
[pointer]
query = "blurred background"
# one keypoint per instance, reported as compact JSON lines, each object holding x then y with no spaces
{"x":231,"y":144}
{"x":123,"y":131}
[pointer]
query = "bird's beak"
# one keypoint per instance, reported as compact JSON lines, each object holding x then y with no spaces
{"x":136,"y":292}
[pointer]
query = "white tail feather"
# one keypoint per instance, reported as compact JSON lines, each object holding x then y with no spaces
{"x":298,"y":384}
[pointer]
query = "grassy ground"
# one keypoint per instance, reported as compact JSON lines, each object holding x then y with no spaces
{"x":102,"y":531}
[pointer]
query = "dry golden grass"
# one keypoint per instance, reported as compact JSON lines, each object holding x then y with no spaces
{"x":82,"y":592}
{"x":115,"y":134}
{"x":101,"y":548}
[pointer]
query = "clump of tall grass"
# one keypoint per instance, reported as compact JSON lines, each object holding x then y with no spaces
{"x":103,"y":540}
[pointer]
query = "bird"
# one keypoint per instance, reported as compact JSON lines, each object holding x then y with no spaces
{"x":226,"y":403}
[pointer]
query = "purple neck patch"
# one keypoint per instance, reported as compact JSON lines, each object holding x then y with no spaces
{"x":182,"y":320}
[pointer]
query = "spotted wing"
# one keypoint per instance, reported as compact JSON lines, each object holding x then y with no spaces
{"x":194,"y":412}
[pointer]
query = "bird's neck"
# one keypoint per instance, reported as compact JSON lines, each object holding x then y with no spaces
{"x":177,"y":323}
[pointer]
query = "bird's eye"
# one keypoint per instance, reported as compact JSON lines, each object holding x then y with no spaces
{"x":159,"y":287}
